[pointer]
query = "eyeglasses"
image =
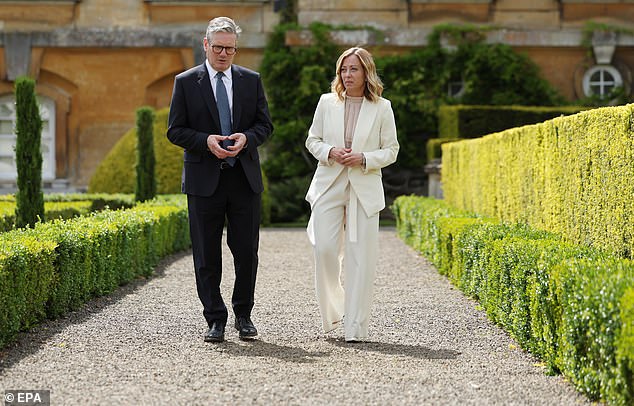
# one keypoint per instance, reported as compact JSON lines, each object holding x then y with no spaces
{"x":218,"y":49}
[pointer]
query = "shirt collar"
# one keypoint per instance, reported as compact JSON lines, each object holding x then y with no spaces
{"x":212,"y":71}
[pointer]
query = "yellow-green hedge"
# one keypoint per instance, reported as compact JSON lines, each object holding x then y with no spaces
{"x":27,"y":268}
{"x":571,"y":305}
{"x":56,"y":266}
{"x":472,"y":121}
{"x":65,"y":206}
{"x":52,"y":210}
{"x":117,"y":173}
{"x":573,"y":176}
{"x":434,"y":147}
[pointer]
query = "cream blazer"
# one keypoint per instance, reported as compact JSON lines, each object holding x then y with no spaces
{"x":374,"y":136}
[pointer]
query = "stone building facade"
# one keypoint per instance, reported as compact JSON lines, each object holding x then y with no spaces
{"x":96,"y":61}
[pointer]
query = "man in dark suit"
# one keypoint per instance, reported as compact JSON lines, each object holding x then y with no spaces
{"x":219,"y":115}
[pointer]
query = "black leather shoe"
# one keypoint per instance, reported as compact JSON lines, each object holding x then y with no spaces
{"x":246,"y":329}
{"x":216,"y":333}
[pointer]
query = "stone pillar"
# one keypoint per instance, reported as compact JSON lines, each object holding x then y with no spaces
{"x":432,"y":170}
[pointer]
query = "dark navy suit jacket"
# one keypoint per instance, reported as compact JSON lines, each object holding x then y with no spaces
{"x":193,"y":116}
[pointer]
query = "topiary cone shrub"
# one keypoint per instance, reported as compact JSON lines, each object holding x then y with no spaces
{"x":28,"y":155}
{"x":145,"y":160}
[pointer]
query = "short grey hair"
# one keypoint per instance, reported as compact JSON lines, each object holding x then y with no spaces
{"x":222,"y":24}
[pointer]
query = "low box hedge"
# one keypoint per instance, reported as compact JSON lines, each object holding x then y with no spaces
{"x":52,"y":210}
{"x":56,"y":266}
{"x":65,"y":206}
{"x":571,"y":305}
{"x":27,"y":274}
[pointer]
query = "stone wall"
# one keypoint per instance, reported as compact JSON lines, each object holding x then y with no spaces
{"x":102,"y":59}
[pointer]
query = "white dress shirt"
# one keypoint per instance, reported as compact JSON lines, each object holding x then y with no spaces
{"x":227,"y":80}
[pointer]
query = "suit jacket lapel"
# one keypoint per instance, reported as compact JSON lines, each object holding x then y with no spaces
{"x":338,"y":117}
{"x":367,"y":115}
{"x":204,"y":83}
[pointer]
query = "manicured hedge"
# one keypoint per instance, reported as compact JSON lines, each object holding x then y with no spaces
{"x":588,"y":294}
{"x":58,"y":265}
{"x":458,"y":122}
{"x":100,"y":201}
{"x":434,"y":147}
{"x":53,"y":210}
{"x":468,"y":121}
{"x":27,"y":273}
{"x":65,"y":206}
{"x":625,"y":346}
{"x":571,"y":305}
{"x":573,"y":176}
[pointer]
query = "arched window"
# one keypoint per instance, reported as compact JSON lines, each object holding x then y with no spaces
{"x":8,"y":169}
{"x":600,"y":80}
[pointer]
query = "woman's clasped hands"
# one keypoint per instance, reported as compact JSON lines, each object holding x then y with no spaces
{"x":345,"y":156}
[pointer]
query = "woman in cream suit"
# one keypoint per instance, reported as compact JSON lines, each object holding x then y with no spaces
{"x":353,"y":136}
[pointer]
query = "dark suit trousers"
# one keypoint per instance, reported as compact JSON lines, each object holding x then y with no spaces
{"x":234,"y":200}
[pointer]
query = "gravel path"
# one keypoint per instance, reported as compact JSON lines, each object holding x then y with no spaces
{"x":143,"y":344}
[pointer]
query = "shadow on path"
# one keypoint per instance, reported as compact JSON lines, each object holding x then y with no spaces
{"x":259,"y":348}
{"x":31,"y":341}
{"x":414,"y":351}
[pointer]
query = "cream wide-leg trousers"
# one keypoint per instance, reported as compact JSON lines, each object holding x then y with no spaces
{"x":345,"y":242}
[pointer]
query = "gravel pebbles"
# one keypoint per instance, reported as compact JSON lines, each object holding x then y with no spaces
{"x":143,"y":344}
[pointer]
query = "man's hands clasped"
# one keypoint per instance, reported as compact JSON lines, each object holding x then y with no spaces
{"x":214,"y":144}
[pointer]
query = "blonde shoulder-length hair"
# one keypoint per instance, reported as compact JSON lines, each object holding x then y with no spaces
{"x":373,"y":84}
